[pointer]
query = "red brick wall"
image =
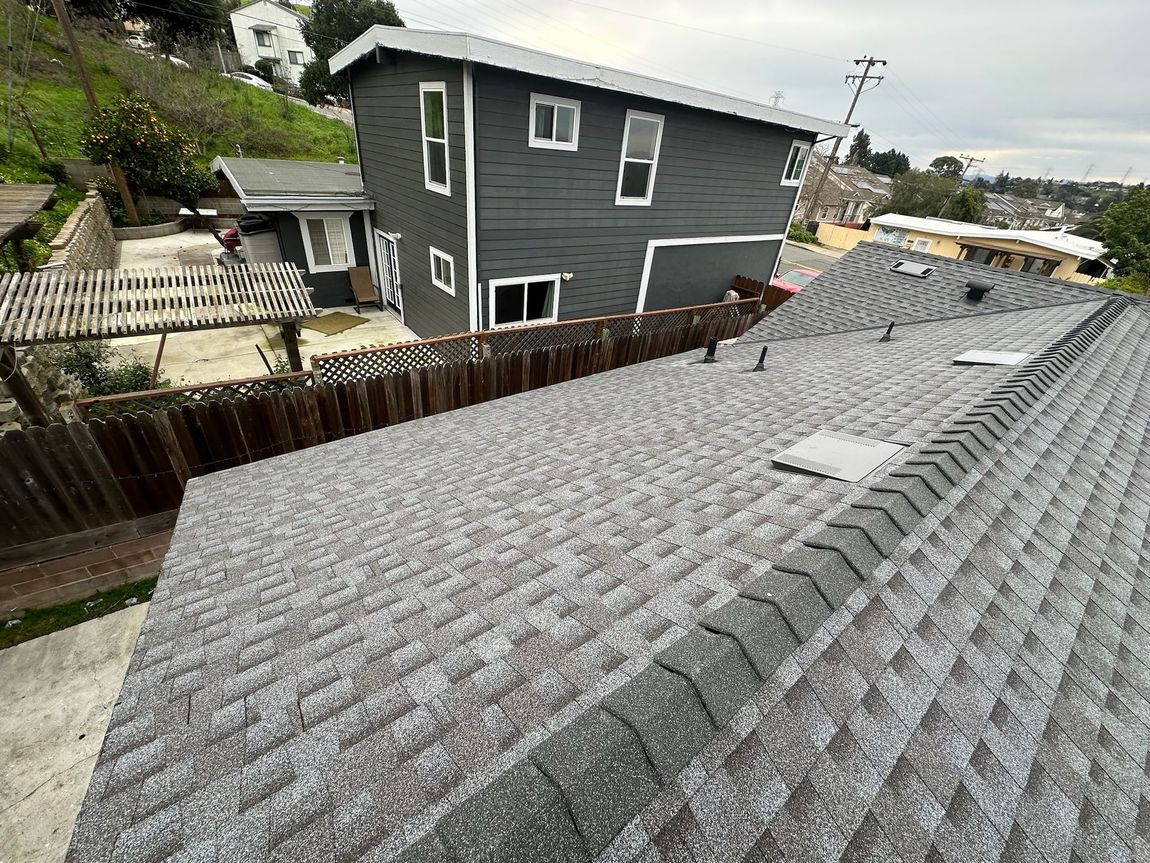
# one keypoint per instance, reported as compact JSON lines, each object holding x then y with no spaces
{"x":75,"y":576}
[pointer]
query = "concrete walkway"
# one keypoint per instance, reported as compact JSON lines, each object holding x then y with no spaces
{"x":808,"y":256}
{"x":56,"y":696}
{"x":229,"y":354}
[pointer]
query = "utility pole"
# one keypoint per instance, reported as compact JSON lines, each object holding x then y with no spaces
{"x":1087,"y":174}
{"x":859,"y":81}
{"x":90,"y":95}
{"x":970,"y":160}
{"x":1122,"y":182}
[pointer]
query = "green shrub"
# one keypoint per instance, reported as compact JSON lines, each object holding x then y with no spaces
{"x":94,"y":364}
{"x":56,"y":171}
{"x":799,"y":234}
{"x":1135,"y":283}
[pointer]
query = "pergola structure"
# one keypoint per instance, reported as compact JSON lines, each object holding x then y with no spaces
{"x":58,"y":306}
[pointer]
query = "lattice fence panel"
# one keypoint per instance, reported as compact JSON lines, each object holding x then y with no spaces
{"x":394,"y":359}
{"x":156,"y":399}
{"x":537,"y":338}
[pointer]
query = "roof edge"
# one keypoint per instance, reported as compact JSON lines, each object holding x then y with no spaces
{"x":492,"y":52}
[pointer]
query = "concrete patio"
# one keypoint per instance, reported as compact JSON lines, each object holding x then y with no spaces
{"x":56,"y":695}
{"x":228,"y":354}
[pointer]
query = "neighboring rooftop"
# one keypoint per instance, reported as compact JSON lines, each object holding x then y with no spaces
{"x":478,"y":49}
{"x":1058,"y":241}
{"x":262,"y":181}
{"x":20,"y":203}
{"x":594,"y":622}
{"x":859,"y":291}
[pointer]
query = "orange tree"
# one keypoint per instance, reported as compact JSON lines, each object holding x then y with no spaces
{"x":157,"y":157}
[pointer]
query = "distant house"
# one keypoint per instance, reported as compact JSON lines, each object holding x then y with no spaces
{"x":515,"y":187}
{"x":315,"y":214}
{"x":266,"y":30}
{"x":1015,"y":213}
{"x":850,"y":194}
{"x":1045,"y":253}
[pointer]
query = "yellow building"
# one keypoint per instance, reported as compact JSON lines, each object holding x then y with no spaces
{"x":1045,"y":253}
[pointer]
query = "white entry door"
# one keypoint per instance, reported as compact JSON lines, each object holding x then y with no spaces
{"x":389,"y":284}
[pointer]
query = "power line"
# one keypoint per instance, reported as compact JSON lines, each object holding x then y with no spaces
{"x":867,"y":63}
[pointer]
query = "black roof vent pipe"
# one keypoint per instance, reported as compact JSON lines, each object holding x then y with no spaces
{"x":976,"y":289}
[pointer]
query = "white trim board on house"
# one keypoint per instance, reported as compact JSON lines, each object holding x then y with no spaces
{"x":477,"y":49}
{"x":692,"y":241}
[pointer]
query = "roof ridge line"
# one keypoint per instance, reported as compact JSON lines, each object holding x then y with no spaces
{"x":690,"y":690}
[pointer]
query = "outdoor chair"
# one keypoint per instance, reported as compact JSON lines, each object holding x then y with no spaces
{"x":363,"y":289}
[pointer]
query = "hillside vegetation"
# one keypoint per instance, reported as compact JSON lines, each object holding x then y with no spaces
{"x":219,"y":113}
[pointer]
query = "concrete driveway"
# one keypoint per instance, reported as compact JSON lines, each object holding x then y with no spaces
{"x":56,"y":696}
{"x":810,"y":257}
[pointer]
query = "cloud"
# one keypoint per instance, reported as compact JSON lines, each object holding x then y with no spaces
{"x":1032,"y":85}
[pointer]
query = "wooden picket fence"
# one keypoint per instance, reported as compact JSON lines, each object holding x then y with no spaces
{"x":67,"y":479}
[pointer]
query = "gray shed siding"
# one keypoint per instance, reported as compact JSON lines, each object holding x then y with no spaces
{"x":689,"y":275}
{"x":386,"y":99}
{"x":545,"y":211}
{"x":328,"y":289}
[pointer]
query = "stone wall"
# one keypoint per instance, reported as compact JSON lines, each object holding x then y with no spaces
{"x":87,"y":241}
{"x":58,"y":392}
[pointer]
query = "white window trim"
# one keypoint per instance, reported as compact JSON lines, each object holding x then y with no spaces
{"x":925,"y":248}
{"x":798,"y":181}
{"x":620,"y":201}
{"x":259,"y":44}
{"x":312,"y":266}
{"x":444,"y":189}
{"x":546,"y":143}
{"x":301,"y":62}
{"x":443,"y":286}
{"x":492,"y":284}
{"x":695,"y":241}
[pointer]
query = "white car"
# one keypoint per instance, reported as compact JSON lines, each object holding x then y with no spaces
{"x":175,"y":61}
{"x":248,"y":78}
{"x":138,"y":42}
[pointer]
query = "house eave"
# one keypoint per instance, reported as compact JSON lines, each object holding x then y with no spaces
{"x":476,"y":49}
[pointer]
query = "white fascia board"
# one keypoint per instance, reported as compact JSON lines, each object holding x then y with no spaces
{"x":476,"y":49}
{"x":959,"y":230}
{"x":263,"y":204}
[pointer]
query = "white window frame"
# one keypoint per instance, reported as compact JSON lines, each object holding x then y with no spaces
{"x":924,"y":247}
{"x":299,"y":54}
{"x":796,"y":145}
{"x":551,"y":143}
{"x":445,"y":188}
{"x":305,"y":235}
{"x":436,"y":253}
{"x":620,"y":201}
{"x":492,"y":284}
{"x":267,"y":33}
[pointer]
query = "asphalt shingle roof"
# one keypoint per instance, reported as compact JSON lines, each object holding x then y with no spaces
{"x":859,"y":291}
{"x":593,"y":622}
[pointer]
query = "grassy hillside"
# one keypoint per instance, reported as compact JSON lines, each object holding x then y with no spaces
{"x":219,"y":112}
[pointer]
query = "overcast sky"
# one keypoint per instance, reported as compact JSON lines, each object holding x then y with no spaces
{"x":1032,"y":86}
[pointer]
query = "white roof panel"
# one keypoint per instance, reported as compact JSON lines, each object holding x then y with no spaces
{"x":834,"y":454}
{"x":477,"y":49}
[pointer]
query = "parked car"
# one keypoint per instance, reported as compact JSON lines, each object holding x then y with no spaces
{"x":138,"y":42}
{"x":795,"y":280}
{"x":248,"y":78}
{"x":175,"y":61}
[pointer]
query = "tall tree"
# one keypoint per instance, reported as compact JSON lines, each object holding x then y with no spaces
{"x":965,"y":205}
{"x":918,"y":193}
{"x":1126,"y":233}
{"x":889,"y":162}
{"x":1025,"y":187}
{"x":859,"y":152}
{"x":947,"y":166}
{"x":171,"y":22}
{"x":332,"y":25}
{"x":1001,"y":183}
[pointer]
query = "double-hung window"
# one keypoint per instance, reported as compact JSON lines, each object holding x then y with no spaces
{"x":554,"y":123}
{"x":796,"y":163}
{"x":263,"y":38}
{"x":433,"y":120}
{"x":442,"y":271}
{"x":295,"y":58}
{"x":327,"y":242}
{"x":642,"y":135}
{"x":530,"y":300}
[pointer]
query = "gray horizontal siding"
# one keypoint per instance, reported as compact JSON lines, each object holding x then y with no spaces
{"x":545,"y":211}
{"x":688,"y":275}
{"x":391,"y":152}
{"x":331,"y":288}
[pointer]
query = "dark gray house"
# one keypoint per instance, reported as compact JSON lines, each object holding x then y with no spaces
{"x":513,"y":186}
{"x":315,"y":214}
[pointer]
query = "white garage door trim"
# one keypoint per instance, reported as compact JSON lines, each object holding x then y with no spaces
{"x":691,"y":241}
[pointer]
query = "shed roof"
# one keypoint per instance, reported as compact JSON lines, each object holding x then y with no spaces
{"x":19,"y":204}
{"x":57,"y":305}
{"x":859,"y":291}
{"x":262,"y":181}
{"x":1059,"y":241}
{"x":478,"y":49}
{"x":573,"y":638}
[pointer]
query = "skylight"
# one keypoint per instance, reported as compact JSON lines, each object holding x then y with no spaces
{"x":991,"y":358}
{"x":837,"y":455}
{"x":911,"y":268}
